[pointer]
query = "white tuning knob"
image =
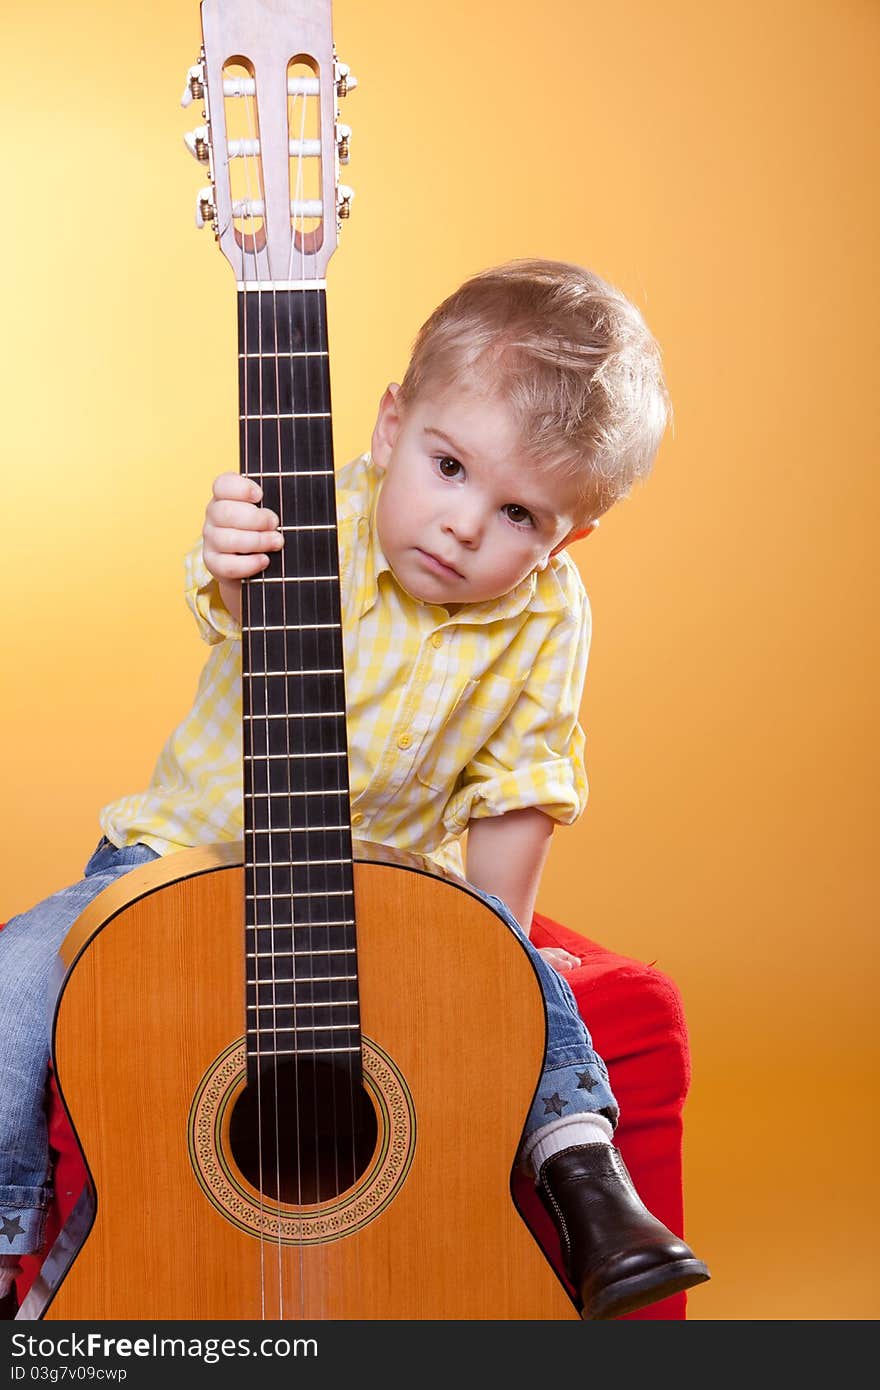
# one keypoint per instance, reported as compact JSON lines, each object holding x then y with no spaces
{"x":205,"y":208}
{"x":195,"y":84}
{"x":345,"y":80}
{"x":197,"y":143}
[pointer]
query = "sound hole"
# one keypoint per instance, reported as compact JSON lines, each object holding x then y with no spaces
{"x":302,"y":1131}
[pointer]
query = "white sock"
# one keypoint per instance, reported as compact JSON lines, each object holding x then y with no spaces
{"x":561,"y":1134}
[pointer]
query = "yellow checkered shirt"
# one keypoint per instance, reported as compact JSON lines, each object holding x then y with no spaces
{"x":450,"y":717}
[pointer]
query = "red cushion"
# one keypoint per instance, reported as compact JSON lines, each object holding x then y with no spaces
{"x":636,"y":1019}
{"x":634,"y":1013}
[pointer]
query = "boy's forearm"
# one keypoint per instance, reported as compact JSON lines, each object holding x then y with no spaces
{"x":506,"y":855}
{"x":230,"y":592}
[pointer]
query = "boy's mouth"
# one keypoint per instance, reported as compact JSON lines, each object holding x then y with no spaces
{"x":438,"y":566}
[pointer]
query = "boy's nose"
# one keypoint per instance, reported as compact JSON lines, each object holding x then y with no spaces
{"x":466,"y":525}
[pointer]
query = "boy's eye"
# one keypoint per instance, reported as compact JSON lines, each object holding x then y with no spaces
{"x":449,"y":468}
{"x":518,"y":515}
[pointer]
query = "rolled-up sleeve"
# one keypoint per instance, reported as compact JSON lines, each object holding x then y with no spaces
{"x":535,"y":758}
{"x":202,"y":592}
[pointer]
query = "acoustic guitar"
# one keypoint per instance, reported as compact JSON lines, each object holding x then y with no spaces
{"x":273,"y":1069}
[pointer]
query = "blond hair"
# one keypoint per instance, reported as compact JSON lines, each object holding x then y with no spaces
{"x":573,"y":358}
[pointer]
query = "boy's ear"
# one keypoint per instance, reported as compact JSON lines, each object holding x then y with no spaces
{"x":386,"y":427}
{"x":577,"y":535}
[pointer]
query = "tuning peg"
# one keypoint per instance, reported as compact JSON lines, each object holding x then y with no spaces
{"x":345,"y":82}
{"x":195,"y":84}
{"x":343,"y":137}
{"x":206,"y":210}
{"x":197,"y":143}
{"x":344,"y":195}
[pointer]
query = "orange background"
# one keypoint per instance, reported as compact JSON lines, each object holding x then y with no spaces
{"x":716,"y":162}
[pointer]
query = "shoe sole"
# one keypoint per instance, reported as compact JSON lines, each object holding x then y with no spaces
{"x":628,"y":1295}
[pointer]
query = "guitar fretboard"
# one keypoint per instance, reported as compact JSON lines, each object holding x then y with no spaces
{"x":302,"y":995}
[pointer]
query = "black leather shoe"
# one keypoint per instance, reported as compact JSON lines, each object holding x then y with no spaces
{"x":616,"y":1253}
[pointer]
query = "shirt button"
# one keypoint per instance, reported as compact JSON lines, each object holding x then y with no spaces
{"x":357,"y":817}
{"x":404,"y":741}
{"x":436,"y":641}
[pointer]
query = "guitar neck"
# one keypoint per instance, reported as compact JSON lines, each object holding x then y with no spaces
{"x":299,"y":883}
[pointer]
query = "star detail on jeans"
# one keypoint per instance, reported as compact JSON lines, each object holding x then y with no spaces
{"x":11,"y":1226}
{"x":586,"y":1082}
{"x":554,"y":1105}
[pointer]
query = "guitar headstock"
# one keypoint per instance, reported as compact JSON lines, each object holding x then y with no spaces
{"x":272,"y":140}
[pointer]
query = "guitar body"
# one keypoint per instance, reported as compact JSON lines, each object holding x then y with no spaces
{"x":149,"y":1056}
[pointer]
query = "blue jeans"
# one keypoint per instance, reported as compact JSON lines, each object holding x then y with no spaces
{"x":575,"y":1079}
{"x":29,"y":946}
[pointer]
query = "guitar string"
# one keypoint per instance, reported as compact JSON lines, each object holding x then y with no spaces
{"x":310,"y":543}
{"x":293,"y":543}
{"x":254,"y":591}
{"x":274,"y":928}
{"x":319,"y":607}
{"x":345,"y":877}
{"x":346,"y":874}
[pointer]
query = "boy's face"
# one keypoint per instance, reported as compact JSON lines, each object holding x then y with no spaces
{"x":464,"y":515}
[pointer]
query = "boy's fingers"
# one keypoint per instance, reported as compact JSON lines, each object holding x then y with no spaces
{"x":235,"y":487}
{"x":241,"y":515}
{"x":234,"y":566}
{"x":228,"y":540}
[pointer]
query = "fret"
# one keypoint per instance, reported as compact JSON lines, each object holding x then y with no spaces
{"x":264,"y":718}
{"x":309,"y":879}
{"x":313,"y":553}
{"x":274,"y":739}
{"x":296,"y":863}
{"x":305,"y":714}
{"x":301,"y":988}
{"x":306,"y":608}
{"x":304,"y":498}
{"x":298,"y":473}
{"x":285,"y":757}
{"x":288,"y":415}
{"x":297,"y":578}
{"x":302,"y":935}
{"x":294,"y":1052}
{"x":273,"y":845}
{"x":322,"y":791}
{"x":322,"y":892}
{"x":313,"y":646}
{"x":300,"y":955}
{"x":311,"y":983}
{"x":323,"y":671}
{"x":305,"y":812}
{"x":312,"y":1028}
{"x":288,"y":321}
{"x":282,"y":384}
{"x":312,"y":920}
{"x":279,"y":778}
{"x":295,"y":1008}
{"x":271,"y":444}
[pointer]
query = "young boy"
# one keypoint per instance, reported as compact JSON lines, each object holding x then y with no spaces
{"x":532,"y":401}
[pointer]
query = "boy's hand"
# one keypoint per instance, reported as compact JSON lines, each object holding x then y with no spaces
{"x":561,"y":960}
{"x":237,"y":535}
